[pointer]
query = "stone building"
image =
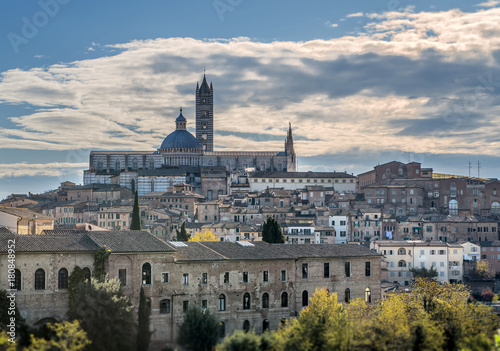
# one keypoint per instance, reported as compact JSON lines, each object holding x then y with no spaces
{"x":183,"y":158}
{"x":24,"y":221}
{"x":249,"y":285}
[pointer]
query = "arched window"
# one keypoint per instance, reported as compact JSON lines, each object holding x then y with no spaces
{"x":165,"y":306}
{"x":118,"y":166}
{"x":246,"y":325}
{"x":135,"y":164}
{"x":222,"y":329}
{"x":368,"y":295}
{"x":453,"y":207}
{"x":63,"y":279}
{"x":305,"y":298}
{"x":151,"y":164}
{"x":284,"y":299}
{"x":146,"y":274}
{"x":209,"y":195}
{"x":86,"y":273}
{"x":347,"y":295}
{"x":402,"y":263}
{"x":246,"y":301}
{"x":401,"y":251}
{"x":222,"y":302}
{"x":17,"y":280}
{"x":99,"y":166}
{"x":495,"y":208}
{"x":265,"y":325}
{"x":265,"y":300}
{"x":40,"y":279}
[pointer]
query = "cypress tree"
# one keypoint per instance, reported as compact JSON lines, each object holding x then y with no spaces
{"x":136,"y":216}
{"x":272,"y":232}
{"x":182,"y":234}
{"x":143,"y":332}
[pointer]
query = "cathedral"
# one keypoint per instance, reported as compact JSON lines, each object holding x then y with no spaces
{"x":184,"y":158}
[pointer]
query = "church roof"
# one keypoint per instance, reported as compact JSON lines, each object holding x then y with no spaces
{"x":180,"y":139}
{"x":180,"y":117}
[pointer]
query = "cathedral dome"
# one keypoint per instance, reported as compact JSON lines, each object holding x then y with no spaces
{"x":180,"y":138}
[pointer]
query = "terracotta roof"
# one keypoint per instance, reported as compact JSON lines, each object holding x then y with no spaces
{"x":24,"y":213}
{"x":75,"y":242}
{"x":129,"y":241}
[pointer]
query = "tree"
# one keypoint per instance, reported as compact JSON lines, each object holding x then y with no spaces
{"x":143,"y":332}
{"x":424,"y":272}
{"x":136,"y":215}
{"x":199,"y":330}
{"x":100,"y":259}
{"x":74,"y":280}
{"x":483,"y":270}
{"x":105,"y":313}
{"x":67,"y":336}
{"x":182,"y":234}
{"x":207,"y":235}
{"x":272,"y":232}
{"x":22,"y":330}
{"x":242,"y":340}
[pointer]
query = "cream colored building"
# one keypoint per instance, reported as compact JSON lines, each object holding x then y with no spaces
{"x":401,"y":256}
{"x":23,"y":221}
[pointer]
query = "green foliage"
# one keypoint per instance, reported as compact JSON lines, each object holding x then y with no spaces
{"x":105,"y":313}
{"x":199,"y":330}
{"x":5,"y":344}
{"x":424,"y":272}
{"x":246,"y":341}
{"x":143,"y":332}
{"x":182,"y":234}
{"x":67,"y":336}
{"x":100,"y":260}
{"x":22,"y":330}
{"x":136,"y":215}
{"x":432,"y":317}
{"x":272,"y":232}
{"x":75,"y":278}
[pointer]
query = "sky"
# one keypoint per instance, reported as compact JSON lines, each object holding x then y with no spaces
{"x":362,"y":82}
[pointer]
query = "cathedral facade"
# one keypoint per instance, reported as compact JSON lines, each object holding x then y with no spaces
{"x":184,"y":158}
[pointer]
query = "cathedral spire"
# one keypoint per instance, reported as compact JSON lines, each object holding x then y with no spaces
{"x":290,"y":152}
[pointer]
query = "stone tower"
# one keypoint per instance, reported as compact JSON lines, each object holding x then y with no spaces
{"x":291,"y":158}
{"x":205,"y":115}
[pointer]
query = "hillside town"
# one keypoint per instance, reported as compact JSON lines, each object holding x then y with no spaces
{"x":360,"y":236}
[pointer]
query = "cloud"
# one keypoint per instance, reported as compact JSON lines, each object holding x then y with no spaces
{"x":489,"y":3}
{"x":357,"y":14}
{"x":394,"y":86}
{"x":334,"y":25}
{"x":54,"y":169}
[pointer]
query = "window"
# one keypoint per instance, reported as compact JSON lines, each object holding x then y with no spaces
{"x":347,"y":266}
{"x":146,"y":274}
{"x":245,"y":277}
{"x":122,"y":277}
{"x":265,"y":300}
{"x":165,"y":277}
{"x":63,"y":279}
{"x":265,"y":325}
{"x":453,"y":207}
{"x":204,"y":278}
{"x":40,"y":279}
{"x":304,"y":271}
{"x":226,"y":277}
{"x":326,"y":270}
{"x":284,"y":299}
{"x":17,"y":280}
{"x":86,"y":273}
{"x":305,"y":298}
{"x":246,"y":325}
{"x":246,"y":301}
{"x":265,"y":276}
{"x":367,"y":269}
{"x":165,"y":306}
{"x":222,"y":302}
{"x":368,"y":295}
{"x":185,"y":306}
{"x":185,"y":279}
{"x":402,"y":263}
{"x":401,"y":251}
{"x":347,"y":295}
{"x":283,"y":276}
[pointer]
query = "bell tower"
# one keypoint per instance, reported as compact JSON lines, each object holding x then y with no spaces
{"x":291,"y":157}
{"x":205,"y":115}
